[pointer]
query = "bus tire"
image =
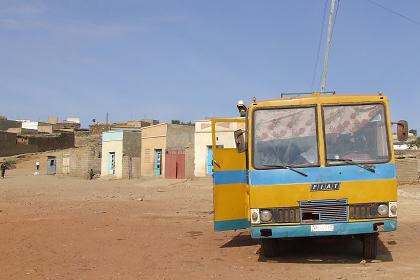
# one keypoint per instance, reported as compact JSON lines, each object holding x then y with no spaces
{"x":269,"y":247}
{"x":370,"y":245}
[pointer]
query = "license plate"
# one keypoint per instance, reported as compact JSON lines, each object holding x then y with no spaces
{"x":317,"y":228}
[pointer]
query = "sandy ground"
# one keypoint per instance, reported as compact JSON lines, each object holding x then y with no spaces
{"x":54,"y":227}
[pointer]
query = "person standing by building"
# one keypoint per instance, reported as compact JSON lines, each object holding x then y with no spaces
{"x":3,"y":168}
{"x":91,"y":174}
{"x":37,"y":165}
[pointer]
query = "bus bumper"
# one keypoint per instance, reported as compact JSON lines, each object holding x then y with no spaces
{"x":337,"y":229}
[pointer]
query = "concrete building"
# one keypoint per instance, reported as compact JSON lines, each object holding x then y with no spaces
{"x":406,"y":145}
{"x":203,"y":155}
{"x":121,"y":154}
{"x":401,"y":146}
{"x":52,"y":120}
{"x":167,"y":150}
{"x":72,"y":120}
{"x":133,"y":125}
{"x":136,"y":125}
{"x":41,"y":127}
{"x":77,"y":162}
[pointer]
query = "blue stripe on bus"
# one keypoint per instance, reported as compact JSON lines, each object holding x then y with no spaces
{"x":339,"y":229}
{"x":230,"y":177}
{"x":231,"y":224}
{"x":315,"y":175}
{"x":321,"y":174}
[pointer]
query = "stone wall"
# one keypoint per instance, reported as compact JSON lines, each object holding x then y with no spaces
{"x":6,"y":124}
{"x":66,"y":126}
{"x":10,"y":147}
{"x":99,"y":128}
{"x":407,"y":170}
{"x":180,"y":136}
{"x":77,"y":162}
{"x":189,"y":162}
{"x":408,"y":166}
{"x":49,"y":142}
{"x":132,"y":143}
{"x":85,"y":138}
{"x":135,"y":167}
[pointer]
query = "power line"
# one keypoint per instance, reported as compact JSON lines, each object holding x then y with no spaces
{"x":394,"y":12}
{"x":319,"y":44}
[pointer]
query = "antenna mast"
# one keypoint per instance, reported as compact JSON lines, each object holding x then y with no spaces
{"x":327,"y":51}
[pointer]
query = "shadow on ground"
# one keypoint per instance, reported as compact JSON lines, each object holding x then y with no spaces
{"x":240,"y":240}
{"x":314,"y":250}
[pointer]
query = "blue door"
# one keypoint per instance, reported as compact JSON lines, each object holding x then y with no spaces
{"x":158,"y":162}
{"x":209,"y":160}
{"x":52,"y":163}
{"x":111,"y":163}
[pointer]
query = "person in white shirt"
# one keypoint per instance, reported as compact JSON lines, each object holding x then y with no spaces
{"x":37,"y":165}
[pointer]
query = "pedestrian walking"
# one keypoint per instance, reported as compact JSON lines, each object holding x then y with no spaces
{"x":91,"y":174}
{"x":3,"y":168}
{"x":37,"y":165}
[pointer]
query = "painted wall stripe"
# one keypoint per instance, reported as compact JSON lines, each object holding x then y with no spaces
{"x":230,"y":177}
{"x":320,"y":174}
{"x":112,"y":136}
{"x":231,"y":224}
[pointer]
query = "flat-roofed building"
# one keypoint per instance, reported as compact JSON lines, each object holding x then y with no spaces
{"x":167,"y":150}
{"x":121,"y":154}
{"x":203,"y":151}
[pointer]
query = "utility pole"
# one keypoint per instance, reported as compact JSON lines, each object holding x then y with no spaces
{"x":107,"y":121}
{"x":327,"y":51}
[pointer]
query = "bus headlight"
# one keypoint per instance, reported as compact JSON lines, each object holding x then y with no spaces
{"x":383,"y":210}
{"x":265,"y":216}
{"x":393,"y":209}
{"x":373,"y":210}
{"x":255,"y":216}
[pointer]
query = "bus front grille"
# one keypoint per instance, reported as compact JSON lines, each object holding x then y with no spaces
{"x":323,"y":211}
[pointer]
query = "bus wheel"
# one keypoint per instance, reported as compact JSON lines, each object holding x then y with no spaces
{"x":370,"y":245}
{"x":269,"y":247}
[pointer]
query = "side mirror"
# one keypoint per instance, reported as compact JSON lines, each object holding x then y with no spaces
{"x":402,"y":130}
{"x":240,"y":140}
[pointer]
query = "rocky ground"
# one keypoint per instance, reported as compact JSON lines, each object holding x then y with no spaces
{"x":54,"y":227}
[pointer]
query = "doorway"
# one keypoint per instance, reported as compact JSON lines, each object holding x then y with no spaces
{"x":209,"y":160}
{"x":52,"y":165}
{"x":111,"y":163}
{"x":158,"y":162}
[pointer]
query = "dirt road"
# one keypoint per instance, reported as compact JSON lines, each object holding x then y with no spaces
{"x":66,"y":228}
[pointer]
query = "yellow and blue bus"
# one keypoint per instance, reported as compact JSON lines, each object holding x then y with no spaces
{"x":314,"y":165}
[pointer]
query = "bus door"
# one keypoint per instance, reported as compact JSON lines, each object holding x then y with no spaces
{"x":230,"y":195}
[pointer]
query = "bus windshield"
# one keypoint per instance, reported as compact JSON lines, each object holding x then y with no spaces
{"x":355,"y":133}
{"x":285,"y":138}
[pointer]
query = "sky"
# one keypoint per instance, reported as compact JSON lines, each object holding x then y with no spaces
{"x":191,"y":59}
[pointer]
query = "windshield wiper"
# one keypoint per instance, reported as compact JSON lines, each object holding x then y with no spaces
{"x":286,"y":167}
{"x":350,"y":161}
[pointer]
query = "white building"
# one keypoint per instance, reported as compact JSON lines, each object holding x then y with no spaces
{"x":203,"y":158}
{"x":37,"y":126}
{"x":401,"y":146}
{"x":29,"y":125}
{"x":72,"y":120}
